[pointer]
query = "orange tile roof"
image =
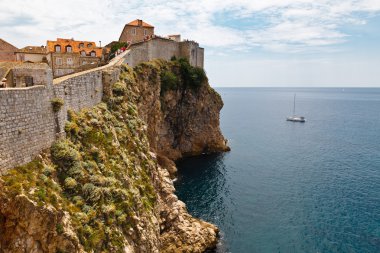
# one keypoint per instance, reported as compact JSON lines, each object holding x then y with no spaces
{"x":136,"y":23}
{"x":75,"y":45}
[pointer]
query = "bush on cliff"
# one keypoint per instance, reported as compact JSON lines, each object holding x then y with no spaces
{"x":169,"y":81}
{"x":192,"y":77}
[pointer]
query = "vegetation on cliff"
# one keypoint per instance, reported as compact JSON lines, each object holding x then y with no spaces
{"x":176,"y":74}
{"x":104,"y":176}
{"x":101,"y":173}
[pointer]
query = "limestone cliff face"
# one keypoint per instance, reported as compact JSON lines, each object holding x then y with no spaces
{"x":106,"y":187}
{"x":27,"y":227}
{"x":182,"y":120}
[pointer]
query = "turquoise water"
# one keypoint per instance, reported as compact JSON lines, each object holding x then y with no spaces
{"x":292,"y":187}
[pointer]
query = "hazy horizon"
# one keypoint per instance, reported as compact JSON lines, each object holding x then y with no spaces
{"x":247,"y":42}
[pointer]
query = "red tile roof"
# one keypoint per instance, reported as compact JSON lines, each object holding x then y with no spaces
{"x":136,"y":23}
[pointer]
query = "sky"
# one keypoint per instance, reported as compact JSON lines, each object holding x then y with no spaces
{"x":259,"y":43}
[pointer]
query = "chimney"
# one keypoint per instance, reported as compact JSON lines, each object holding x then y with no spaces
{"x":140,"y":22}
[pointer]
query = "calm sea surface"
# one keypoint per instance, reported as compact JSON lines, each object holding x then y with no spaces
{"x":292,"y":187}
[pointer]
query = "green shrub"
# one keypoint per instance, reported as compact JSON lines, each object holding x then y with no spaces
{"x":192,"y":77}
{"x":70,"y":183}
{"x":198,"y":77}
{"x":119,"y":89}
{"x":71,"y":128}
{"x":48,"y":170}
{"x":57,"y":103}
{"x":41,"y":194}
{"x":169,"y":81}
{"x":64,"y":155}
{"x":118,"y":45}
{"x":59,"y":228}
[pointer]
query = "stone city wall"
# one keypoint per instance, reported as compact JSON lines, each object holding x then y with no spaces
{"x":28,"y":123}
{"x":162,"y":48}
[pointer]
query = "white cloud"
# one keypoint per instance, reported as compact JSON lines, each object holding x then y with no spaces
{"x":290,"y":25}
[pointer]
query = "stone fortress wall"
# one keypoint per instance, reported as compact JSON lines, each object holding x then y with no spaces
{"x":162,"y":48}
{"x":28,"y":123}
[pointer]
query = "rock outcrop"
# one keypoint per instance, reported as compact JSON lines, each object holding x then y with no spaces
{"x":107,"y":187}
{"x":183,"y":120}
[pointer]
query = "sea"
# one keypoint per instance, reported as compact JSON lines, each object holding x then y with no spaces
{"x":291,"y":187}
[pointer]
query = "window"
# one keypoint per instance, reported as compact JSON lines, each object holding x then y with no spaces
{"x":82,"y":53}
{"x":81,"y":45}
{"x":69,"y":49}
{"x":84,"y":63}
{"x":28,"y":81}
{"x":69,"y":61}
{"x":145,"y":32}
{"x":58,"y":72}
{"x":58,"y":61}
{"x":89,"y":45}
{"x":57,"y":48}
{"x":93,"y":54}
{"x":133,"y":31}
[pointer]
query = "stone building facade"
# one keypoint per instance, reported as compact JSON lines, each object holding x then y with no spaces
{"x":31,"y":74}
{"x":7,"y":51}
{"x":18,"y":74}
{"x":33,"y":54}
{"x":68,"y":56}
{"x":136,"y":31}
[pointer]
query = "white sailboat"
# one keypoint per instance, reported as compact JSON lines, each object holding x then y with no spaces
{"x":295,"y":118}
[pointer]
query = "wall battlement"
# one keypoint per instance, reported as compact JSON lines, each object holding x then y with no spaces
{"x":28,"y":123}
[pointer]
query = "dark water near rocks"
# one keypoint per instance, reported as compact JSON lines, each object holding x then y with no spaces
{"x":292,"y":187}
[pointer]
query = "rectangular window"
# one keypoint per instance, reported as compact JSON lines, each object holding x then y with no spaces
{"x":58,"y":61}
{"x":69,"y":61}
{"x":145,"y":32}
{"x":28,"y":81}
{"x":133,"y":32}
{"x":84,"y":63}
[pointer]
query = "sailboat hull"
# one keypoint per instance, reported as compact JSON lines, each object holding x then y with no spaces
{"x":296,"y":119}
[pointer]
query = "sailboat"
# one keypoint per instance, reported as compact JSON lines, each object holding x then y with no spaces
{"x":295,"y":118}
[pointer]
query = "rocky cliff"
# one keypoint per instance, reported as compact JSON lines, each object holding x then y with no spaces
{"x":106,"y":187}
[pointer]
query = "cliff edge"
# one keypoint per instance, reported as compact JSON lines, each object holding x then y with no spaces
{"x":106,"y":186}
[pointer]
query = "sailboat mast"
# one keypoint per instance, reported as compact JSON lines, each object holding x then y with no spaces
{"x":294,"y":105}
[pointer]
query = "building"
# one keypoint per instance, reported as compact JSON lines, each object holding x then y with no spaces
{"x":165,"y":48}
{"x":18,"y":74}
{"x":33,"y":54}
{"x":136,"y":31}
{"x":175,"y":37}
{"x":144,"y":45}
{"x":69,"y":56}
{"x":6,"y":73}
{"x":7,"y":51}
